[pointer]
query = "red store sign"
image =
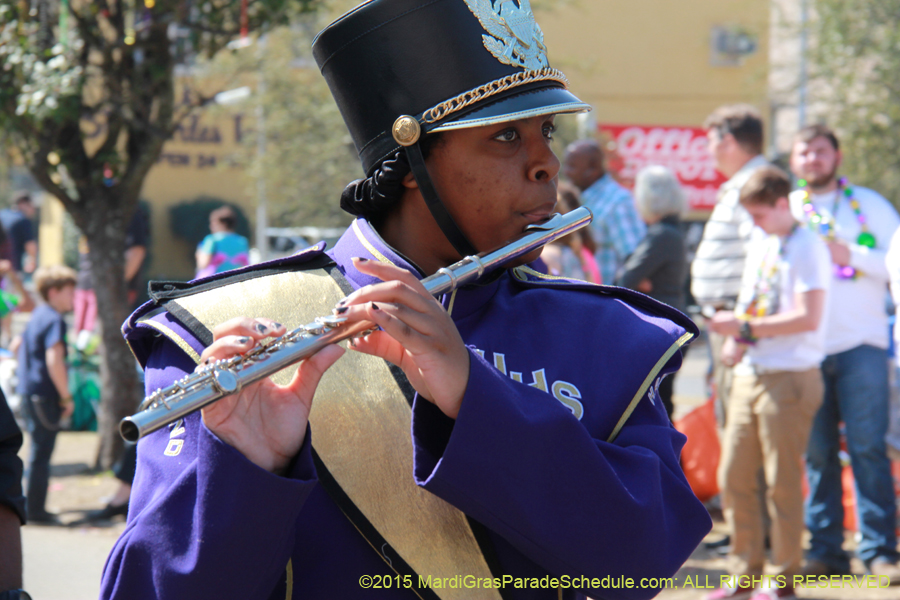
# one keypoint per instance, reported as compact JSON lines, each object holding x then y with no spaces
{"x":683,"y":149}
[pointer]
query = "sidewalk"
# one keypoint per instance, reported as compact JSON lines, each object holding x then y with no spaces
{"x":64,"y":563}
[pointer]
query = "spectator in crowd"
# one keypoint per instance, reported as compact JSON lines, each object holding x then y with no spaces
{"x":735,"y":135}
{"x":572,"y":256}
{"x":775,"y":341}
{"x":18,"y":299}
{"x":12,"y":502}
{"x":658,"y":266}
{"x":223,"y":249}
{"x":18,"y":248}
{"x":136,"y":242}
{"x":892,"y":261}
{"x":44,"y":382}
{"x":857,"y":225}
{"x":17,"y":223}
{"x":617,"y":227}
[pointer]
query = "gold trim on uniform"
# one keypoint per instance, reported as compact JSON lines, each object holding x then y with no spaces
{"x":558,"y":109}
{"x":362,"y":240}
{"x":521,"y":273}
{"x":179,"y":341}
{"x":684,"y":339}
{"x":289,"y":580}
{"x":448,"y":107}
{"x":452,"y":302}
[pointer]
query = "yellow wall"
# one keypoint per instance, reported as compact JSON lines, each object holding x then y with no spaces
{"x":50,"y":230}
{"x":647,"y":62}
{"x":192,"y":164}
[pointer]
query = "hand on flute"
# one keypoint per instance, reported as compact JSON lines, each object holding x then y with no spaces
{"x":416,"y":333}
{"x":266,"y":422}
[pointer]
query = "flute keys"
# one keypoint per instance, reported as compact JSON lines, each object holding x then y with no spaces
{"x":331,"y":321}
{"x":226,"y":382}
{"x":314,"y":329}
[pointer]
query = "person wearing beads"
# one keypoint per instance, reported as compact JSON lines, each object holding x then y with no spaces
{"x":509,"y":431}
{"x":857,"y":225}
{"x":775,"y":342}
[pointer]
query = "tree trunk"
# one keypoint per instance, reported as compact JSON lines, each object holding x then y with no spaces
{"x":120,"y":391}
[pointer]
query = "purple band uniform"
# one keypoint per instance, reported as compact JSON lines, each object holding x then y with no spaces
{"x":554,"y":365}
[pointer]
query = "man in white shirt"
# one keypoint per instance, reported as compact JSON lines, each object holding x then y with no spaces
{"x":775,"y":341}
{"x":893,"y":266}
{"x":735,"y":135}
{"x":856,"y":224}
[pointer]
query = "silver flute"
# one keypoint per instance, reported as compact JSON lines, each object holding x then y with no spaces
{"x":222,"y":378}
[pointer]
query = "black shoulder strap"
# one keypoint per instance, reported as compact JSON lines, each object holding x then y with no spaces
{"x":163,"y":291}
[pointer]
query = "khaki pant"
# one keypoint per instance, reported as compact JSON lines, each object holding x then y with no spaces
{"x":769,"y":420}
{"x":722,"y":377}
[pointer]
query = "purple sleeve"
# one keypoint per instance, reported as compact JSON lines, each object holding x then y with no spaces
{"x":204,"y":521}
{"x":577,"y":505}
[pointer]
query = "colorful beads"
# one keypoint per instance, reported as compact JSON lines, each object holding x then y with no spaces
{"x":866,"y":239}
{"x":826,"y":227}
{"x":845,"y":272}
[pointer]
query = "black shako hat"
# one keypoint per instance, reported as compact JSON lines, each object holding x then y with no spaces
{"x":400,"y":68}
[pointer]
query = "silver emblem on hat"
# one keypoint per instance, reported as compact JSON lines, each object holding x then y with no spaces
{"x":515,"y":38}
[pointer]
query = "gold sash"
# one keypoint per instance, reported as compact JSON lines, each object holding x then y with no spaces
{"x":361,"y":430}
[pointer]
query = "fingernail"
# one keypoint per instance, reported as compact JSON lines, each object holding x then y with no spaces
{"x":261,"y":328}
{"x":341,"y":310}
{"x":243,"y":340}
{"x":277,"y":325}
{"x":360,"y":259}
{"x":342,"y":302}
{"x":375,"y":306}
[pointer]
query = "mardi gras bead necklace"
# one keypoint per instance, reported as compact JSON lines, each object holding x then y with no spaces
{"x":765,"y":290}
{"x":826,"y":227}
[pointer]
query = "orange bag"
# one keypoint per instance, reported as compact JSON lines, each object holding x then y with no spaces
{"x":700,"y":456}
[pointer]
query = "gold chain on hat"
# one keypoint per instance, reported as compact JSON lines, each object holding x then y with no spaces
{"x":487,"y":90}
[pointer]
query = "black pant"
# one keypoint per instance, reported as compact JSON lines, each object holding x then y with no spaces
{"x":127,"y":464}
{"x":42,"y":415}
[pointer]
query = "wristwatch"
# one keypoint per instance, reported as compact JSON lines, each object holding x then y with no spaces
{"x":747,"y":333}
{"x":15,"y":595}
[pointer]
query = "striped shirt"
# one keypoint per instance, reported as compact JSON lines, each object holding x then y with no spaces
{"x":617,"y":228}
{"x":719,"y":263}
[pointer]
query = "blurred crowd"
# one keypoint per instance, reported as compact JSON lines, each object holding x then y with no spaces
{"x":48,"y":389}
{"x":791,"y":280}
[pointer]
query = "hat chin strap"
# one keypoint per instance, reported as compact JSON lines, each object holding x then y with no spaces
{"x":448,"y":226}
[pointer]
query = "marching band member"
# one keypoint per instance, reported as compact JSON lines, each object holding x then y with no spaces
{"x":502,"y":441}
